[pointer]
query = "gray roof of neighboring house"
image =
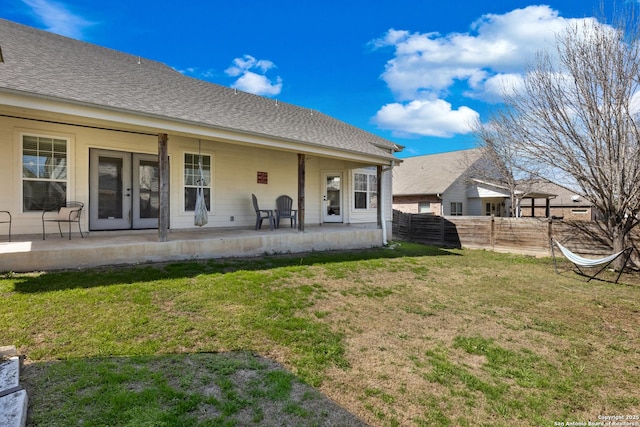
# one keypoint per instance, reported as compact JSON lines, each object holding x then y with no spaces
{"x":564,"y":196}
{"x":47,"y":65}
{"x":432,"y":173}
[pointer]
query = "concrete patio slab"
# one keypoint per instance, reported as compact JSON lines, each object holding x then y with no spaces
{"x":31,"y":253}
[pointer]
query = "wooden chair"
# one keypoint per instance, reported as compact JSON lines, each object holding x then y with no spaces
{"x":262,"y":214}
{"x":7,"y":221}
{"x":283,"y":210}
{"x":67,"y":212}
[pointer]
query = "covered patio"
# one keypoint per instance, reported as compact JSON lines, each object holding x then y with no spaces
{"x":27,"y":253}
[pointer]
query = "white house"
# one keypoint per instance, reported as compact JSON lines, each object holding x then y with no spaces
{"x":85,"y":123}
{"x":440,"y":184}
{"x":444,"y":184}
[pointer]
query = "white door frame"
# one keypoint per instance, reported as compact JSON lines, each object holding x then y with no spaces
{"x":125,"y":189}
{"x":332,"y":191}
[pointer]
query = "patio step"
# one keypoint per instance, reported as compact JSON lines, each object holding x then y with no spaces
{"x":13,"y":399}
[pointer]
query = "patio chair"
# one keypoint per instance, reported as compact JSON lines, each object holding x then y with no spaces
{"x":283,"y":210}
{"x":67,"y":212}
{"x":5,"y":221}
{"x":262,"y":214}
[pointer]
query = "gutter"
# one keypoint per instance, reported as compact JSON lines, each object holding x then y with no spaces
{"x":383,"y":222}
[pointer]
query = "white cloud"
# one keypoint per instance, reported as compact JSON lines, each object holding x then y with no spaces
{"x":434,"y":118}
{"x":484,"y":62}
{"x":494,"y":87}
{"x":635,"y":104}
{"x":498,"y":44}
{"x":258,"y":84}
{"x":252,"y":78}
{"x":58,"y":18}
{"x":198,"y":73}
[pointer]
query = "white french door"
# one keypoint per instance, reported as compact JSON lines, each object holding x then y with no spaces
{"x":145,"y":191}
{"x":123,"y":191}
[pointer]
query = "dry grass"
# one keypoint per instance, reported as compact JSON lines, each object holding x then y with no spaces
{"x":574,"y":346}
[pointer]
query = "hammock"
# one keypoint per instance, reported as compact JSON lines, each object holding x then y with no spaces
{"x":200,"y":214}
{"x":580,"y":261}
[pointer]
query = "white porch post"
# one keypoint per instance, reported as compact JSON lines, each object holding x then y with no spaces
{"x":379,"y":210}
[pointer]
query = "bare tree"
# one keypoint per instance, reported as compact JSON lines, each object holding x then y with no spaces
{"x":503,"y":162}
{"x":576,"y":118}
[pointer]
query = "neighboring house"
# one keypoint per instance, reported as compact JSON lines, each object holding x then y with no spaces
{"x":443,"y":184}
{"x":86,"y":123}
{"x":439,"y":184}
{"x":564,"y":204}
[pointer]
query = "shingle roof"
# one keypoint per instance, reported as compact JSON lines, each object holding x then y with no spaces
{"x":563,"y":195}
{"x":433,"y":173}
{"x":48,"y":65}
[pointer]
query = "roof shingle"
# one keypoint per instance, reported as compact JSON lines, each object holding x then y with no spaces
{"x":433,"y":173}
{"x":48,"y":65}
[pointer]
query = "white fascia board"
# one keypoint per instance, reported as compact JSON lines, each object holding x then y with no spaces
{"x":489,"y":193}
{"x":137,"y":122}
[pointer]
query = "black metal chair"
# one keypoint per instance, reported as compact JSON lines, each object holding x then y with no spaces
{"x":283,"y":210}
{"x":67,"y":212}
{"x":7,"y":221}
{"x":262,"y":214}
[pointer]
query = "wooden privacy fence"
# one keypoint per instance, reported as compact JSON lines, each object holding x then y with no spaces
{"x":517,"y":235}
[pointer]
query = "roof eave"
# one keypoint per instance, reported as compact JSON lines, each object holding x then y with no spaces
{"x":163,"y":124}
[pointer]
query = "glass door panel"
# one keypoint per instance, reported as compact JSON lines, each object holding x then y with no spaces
{"x":110,"y":190}
{"x":332,"y":198}
{"x":146,"y":196}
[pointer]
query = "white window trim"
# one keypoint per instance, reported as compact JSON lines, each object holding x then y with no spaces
{"x":451,"y":209}
{"x":422,"y":205}
{"x":210,"y":186}
{"x":365,"y":171}
{"x":70,"y":139}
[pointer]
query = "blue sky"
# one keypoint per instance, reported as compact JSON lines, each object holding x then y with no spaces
{"x":417,"y":72}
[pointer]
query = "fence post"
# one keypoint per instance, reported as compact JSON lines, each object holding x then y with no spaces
{"x":492,"y":237}
{"x":410,"y":227}
{"x":394,"y":223}
{"x":550,"y":235}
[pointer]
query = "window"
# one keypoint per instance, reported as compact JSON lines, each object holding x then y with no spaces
{"x":191,"y":177}
{"x":44,"y":172}
{"x":456,"y":208}
{"x":424,"y":207}
{"x":365,"y":186}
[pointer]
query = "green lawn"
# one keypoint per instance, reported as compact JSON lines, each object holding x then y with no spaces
{"x":406,"y":335}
